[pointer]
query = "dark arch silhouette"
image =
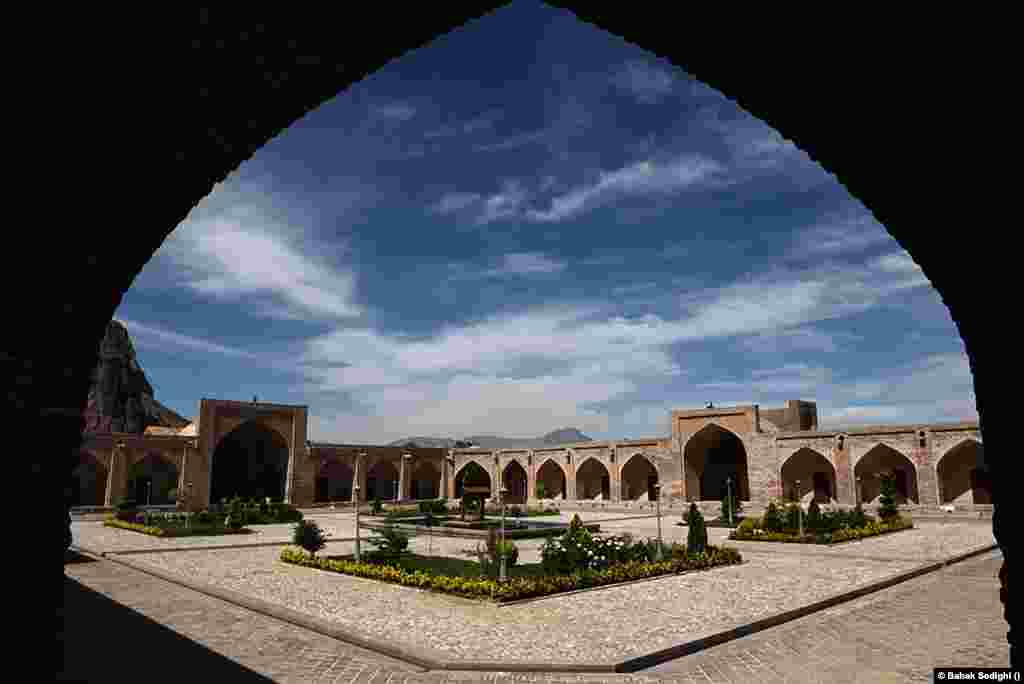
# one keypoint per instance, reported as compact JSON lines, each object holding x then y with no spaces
{"x":815,"y":473}
{"x":334,"y":480}
{"x":638,"y":479}
{"x":711,"y":455}
{"x":514,"y":479}
{"x":251,"y":461}
{"x":593,"y":480}
{"x":151,"y":480}
{"x":382,"y":480}
{"x":426,"y":480}
{"x":551,"y":475}
{"x":883,"y":458}
{"x":471,"y":474}
{"x":963,"y":475}
{"x":261,"y":76}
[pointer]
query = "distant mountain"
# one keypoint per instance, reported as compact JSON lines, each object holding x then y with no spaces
{"x":562,"y":436}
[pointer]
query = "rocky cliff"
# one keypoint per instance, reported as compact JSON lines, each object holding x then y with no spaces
{"x":120,"y":397}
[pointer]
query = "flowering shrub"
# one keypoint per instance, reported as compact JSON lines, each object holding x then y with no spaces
{"x":518,"y":587}
{"x":830,"y":532}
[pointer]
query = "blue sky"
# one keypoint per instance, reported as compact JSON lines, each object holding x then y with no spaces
{"x":530,"y":224}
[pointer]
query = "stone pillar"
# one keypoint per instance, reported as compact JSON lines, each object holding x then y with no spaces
{"x":117,"y":481}
{"x":570,"y":476}
{"x":927,"y":478}
{"x":845,"y":483}
{"x":108,"y":494}
{"x":531,"y":477}
{"x":496,"y":475}
{"x":614,"y":475}
{"x":405,"y":478}
{"x":359,"y":478}
{"x":442,"y":490}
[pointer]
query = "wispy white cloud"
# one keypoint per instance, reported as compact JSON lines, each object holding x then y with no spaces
{"x":514,"y":141}
{"x":456,"y":201}
{"x":468,"y":127}
{"x":504,"y":204}
{"x":527,"y":263}
{"x":796,"y":339}
{"x":839,"y":234}
{"x":241,"y":250}
{"x":649,"y":83}
{"x":154,"y":337}
{"x":642,"y":178}
{"x":395,"y":111}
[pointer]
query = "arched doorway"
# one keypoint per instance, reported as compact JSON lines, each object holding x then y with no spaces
{"x":334,"y":481}
{"x":382,"y":481}
{"x":514,"y":479}
{"x":426,"y":481}
{"x":816,"y":475}
{"x":638,"y":479}
{"x":593,"y":480}
{"x":879,"y":459}
{"x":550,"y":481}
{"x":711,"y":455}
{"x":152,"y":479}
{"x":251,"y":461}
{"x":88,"y":481}
{"x":963,"y":475}
{"x":471,"y":475}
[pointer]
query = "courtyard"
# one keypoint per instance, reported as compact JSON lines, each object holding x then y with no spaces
{"x":604,"y":626}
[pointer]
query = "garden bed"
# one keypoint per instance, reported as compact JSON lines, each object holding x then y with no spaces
{"x":196,"y":530}
{"x":457,"y":577}
{"x":840,"y":536}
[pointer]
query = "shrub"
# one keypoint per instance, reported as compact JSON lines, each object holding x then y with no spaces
{"x":540,"y":490}
{"x":747,"y":526}
{"x":887,"y":509}
{"x":309,"y":536}
{"x":792,"y":520}
{"x":390,"y":543}
{"x":433,"y":506}
{"x":697,"y":536}
{"x":376,"y":506}
{"x":857,"y":517}
{"x":736,"y":506}
{"x":772,"y":521}
{"x":814,"y":519}
{"x":204,"y":518}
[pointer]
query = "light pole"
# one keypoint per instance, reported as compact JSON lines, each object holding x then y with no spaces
{"x":657,"y":505}
{"x":149,"y":492}
{"x":799,"y":509}
{"x":728,"y":497}
{"x":502,"y":492}
{"x":355,"y":488}
{"x":860,"y":488}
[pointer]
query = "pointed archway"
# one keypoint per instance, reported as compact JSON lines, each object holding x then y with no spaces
{"x":963,"y":475}
{"x":550,"y":481}
{"x":426,"y":481}
{"x":513,"y":478}
{"x":883,"y":458}
{"x":593,"y":481}
{"x":471,"y":474}
{"x":638,"y":479}
{"x":334,"y":481}
{"x":251,"y":461}
{"x":152,"y":480}
{"x":382,"y":480}
{"x":712,"y":455}
{"x":814,"y":472}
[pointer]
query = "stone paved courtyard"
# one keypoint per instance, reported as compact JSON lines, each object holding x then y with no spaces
{"x":606,"y":625}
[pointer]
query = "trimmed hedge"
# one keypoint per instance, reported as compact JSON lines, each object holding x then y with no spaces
{"x":176,"y":531}
{"x":519,"y":587}
{"x":750,"y":532}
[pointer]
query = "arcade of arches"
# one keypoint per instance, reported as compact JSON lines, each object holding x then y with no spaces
{"x":256,"y":451}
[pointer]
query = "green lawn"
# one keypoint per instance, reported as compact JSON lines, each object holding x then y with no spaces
{"x":454,"y":567}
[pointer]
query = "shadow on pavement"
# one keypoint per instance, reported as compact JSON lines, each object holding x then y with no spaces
{"x":105,"y":641}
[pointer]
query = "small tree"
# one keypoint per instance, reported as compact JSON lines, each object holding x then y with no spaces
{"x":814,"y":518}
{"x":793,"y":516}
{"x":308,"y":535}
{"x":772,"y":520}
{"x":540,"y":490}
{"x":697,"y":537}
{"x":887,"y":509}
{"x":390,"y":543}
{"x":376,"y":506}
{"x":736,"y":505}
{"x":429,"y":521}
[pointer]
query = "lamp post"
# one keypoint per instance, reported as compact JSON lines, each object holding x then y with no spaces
{"x":728,"y":497}
{"x":657,"y":505}
{"x":502,"y":492}
{"x":860,"y":488}
{"x":355,"y":488}
{"x":799,"y":509}
{"x":149,"y":492}
{"x":188,"y":499}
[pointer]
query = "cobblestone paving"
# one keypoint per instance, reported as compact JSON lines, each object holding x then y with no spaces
{"x":607,"y":625}
{"x":948,"y":618}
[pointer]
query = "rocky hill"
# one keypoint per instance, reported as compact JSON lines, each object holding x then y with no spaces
{"x":561,"y":436}
{"x":121,"y":397}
